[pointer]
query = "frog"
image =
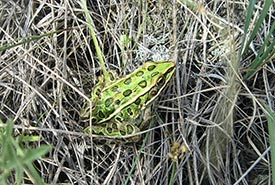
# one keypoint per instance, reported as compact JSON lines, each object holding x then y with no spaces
{"x":117,"y":106}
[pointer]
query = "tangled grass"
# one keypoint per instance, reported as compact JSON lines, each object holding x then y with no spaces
{"x":208,"y":127}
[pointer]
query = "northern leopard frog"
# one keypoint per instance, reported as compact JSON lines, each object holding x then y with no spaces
{"x":119,"y":105}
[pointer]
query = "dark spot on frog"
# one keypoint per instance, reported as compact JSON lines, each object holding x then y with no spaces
{"x":151,"y":67}
{"x":101,"y":114}
{"x":153,"y":92}
{"x":127,"y":81}
{"x":115,"y":89}
{"x":139,"y":73}
{"x":129,"y":111}
{"x":111,"y":76}
{"x":118,"y":119}
{"x":137,"y":102}
{"x":122,"y":133}
{"x":109,"y":130}
{"x":142,"y":84}
{"x":94,"y":120}
{"x":117,"y":102}
{"x":114,"y":126}
{"x":154,"y":74}
{"x":128,"y":92}
{"x":98,"y":91}
{"x":108,"y":102}
{"x":130,"y":129}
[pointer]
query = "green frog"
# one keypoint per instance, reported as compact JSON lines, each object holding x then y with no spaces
{"x":118,"y":105}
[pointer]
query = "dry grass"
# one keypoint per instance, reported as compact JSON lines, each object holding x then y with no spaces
{"x":207,"y":107}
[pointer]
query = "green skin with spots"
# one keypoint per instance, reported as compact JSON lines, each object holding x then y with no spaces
{"x":118,"y":105}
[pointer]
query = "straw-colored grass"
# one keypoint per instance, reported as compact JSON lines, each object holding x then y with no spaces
{"x":208,"y":127}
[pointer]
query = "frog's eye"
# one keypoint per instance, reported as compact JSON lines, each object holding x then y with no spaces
{"x":168,"y":72}
{"x":160,"y":81}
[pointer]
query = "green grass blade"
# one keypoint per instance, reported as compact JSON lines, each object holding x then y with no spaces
{"x":138,"y":156}
{"x":264,"y":54}
{"x":97,"y":48}
{"x":33,"y":174}
{"x":33,"y":154}
{"x":19,"y":173}
{"x":259,"y":22}
{"x":271,"y":131}
{"x":15,"y":160}
{"x":246,"y":25}
{"x":25,"y":40}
